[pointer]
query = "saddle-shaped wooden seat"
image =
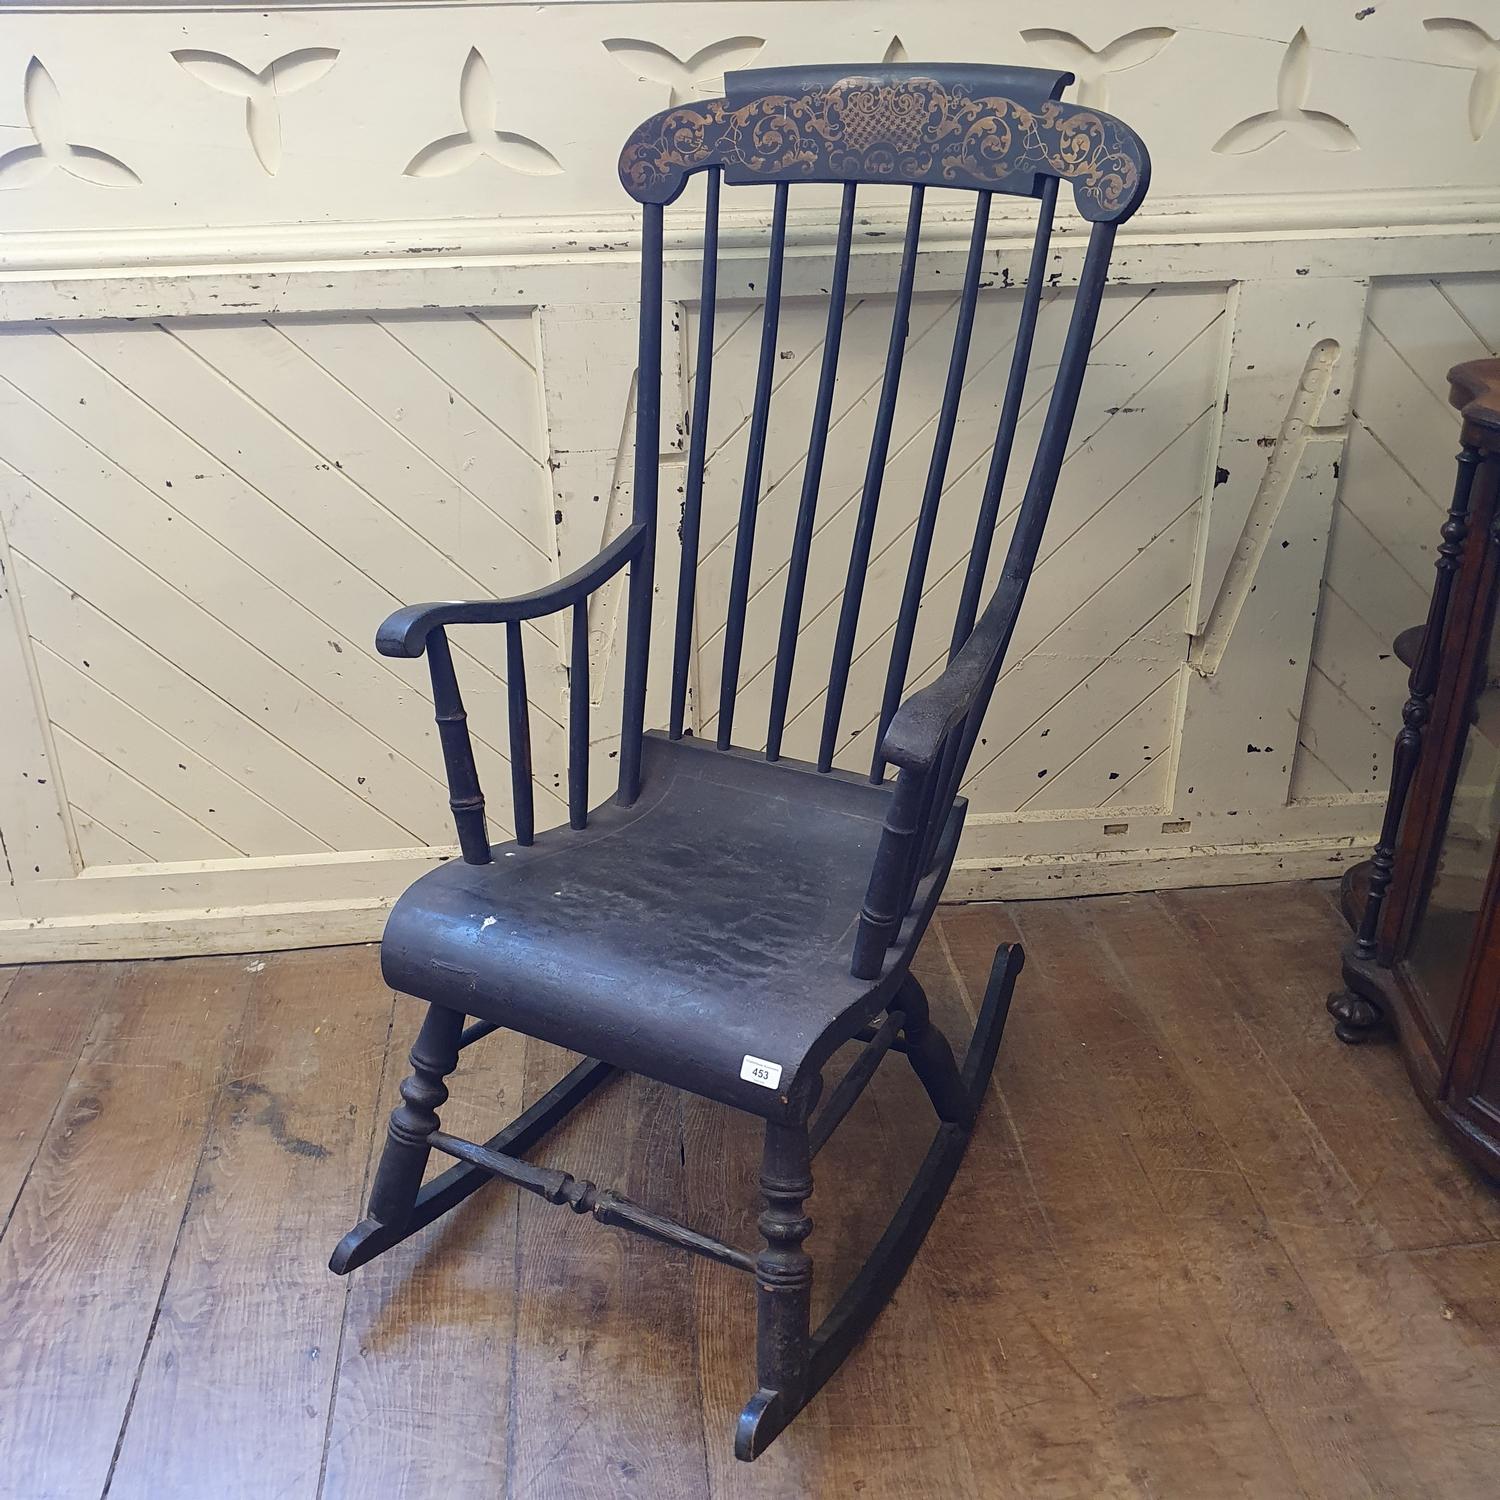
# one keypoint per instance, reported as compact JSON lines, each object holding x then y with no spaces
{"x":728,"y":893}
{"x":730,"y":917}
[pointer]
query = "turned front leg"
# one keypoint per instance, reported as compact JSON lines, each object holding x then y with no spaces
{"x":434,"y":1055}
{"x":783,"y":1270}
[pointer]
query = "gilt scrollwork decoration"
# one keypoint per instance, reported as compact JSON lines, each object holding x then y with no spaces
{"x":911,"y":131}
{"x":915,"y":130}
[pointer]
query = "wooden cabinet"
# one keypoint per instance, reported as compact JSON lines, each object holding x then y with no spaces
{"x":1425,"y":956}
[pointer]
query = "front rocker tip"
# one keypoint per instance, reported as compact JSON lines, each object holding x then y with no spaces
{"x":357,"y":1247}
{"x":764,"y":1419}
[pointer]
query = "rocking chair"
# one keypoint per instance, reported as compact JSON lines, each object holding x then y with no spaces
{"x":731,"y":917}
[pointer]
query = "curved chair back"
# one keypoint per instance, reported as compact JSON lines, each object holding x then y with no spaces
{"x":985,"y":129}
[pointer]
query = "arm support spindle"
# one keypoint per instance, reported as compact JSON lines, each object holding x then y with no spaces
{"x":421,"y":628}
{"x":520,"y":733}
{"x":464,"y":795}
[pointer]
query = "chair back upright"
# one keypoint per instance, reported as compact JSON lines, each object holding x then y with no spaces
{"x":982,"y":128}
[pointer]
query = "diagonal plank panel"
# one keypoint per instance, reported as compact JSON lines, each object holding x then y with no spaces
{"x":1111,"y":767}
{"x":1118,"y":493}
{"x":210,"y":518}
{"x":1110,"y":653}
{"x":1397,"y":476}
{"x":164,"y":692}
{"x":1146,"y":389}
{"x":1114,"y":380}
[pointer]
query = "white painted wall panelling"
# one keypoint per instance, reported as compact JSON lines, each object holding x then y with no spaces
{"x":335,"y":310}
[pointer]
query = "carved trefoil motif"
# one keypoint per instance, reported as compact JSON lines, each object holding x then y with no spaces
{"x":1093,"y":69}
{"x":701,"y":76}
{"x":53,"y":148}
{"x":262,"y":91}
{"x":1472,"y":47}
{"x":479,"y":108}
{"x":1291,"y":117}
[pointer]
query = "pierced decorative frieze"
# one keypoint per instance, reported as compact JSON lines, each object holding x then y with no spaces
{"x":53,"y":150}
{"x":700,"y":77}
{"x":1061,"y":49}
{"x":1291,"y":117}
{"x":1476,"y":49}
{"x":479,"y":108}
{"x":262,"y":91}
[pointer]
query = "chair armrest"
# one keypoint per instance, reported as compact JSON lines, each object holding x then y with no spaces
{"x":914,"y":738}
{"x":405,"y":632}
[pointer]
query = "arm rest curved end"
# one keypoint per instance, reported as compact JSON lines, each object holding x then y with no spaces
{"x":405,"y":632}
{"x":914,"y":736}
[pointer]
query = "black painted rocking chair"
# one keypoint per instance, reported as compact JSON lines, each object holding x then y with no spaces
{"x":731,"y":917}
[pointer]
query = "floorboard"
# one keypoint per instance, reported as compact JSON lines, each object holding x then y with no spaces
{"x":425,"y":1356}
{"x":1197,"y":1249}
{"x":85,"y":1256}
{"x":245,"y":1317}
{"x":46,"y":1014}
{"x":605,"y":1391}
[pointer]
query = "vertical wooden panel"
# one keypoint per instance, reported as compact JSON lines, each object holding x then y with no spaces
{"x":1396,"y":478}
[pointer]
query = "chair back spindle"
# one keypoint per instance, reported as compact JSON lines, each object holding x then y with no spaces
{"x":1004,"y":609}
{"x":869,"y":500}
{"x":812,"y":478}
{"x":755,"y":459}
{"x":985,"y":130}
{"x":643,"y":506}
{"x":1010,"y":417}
{"x":578,"y":718}
{"x":937,"y":471}
{"x":519,"y":706}
{"x":692,"y":502}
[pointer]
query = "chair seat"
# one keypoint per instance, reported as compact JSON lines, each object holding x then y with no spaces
{"x":710,"y":922}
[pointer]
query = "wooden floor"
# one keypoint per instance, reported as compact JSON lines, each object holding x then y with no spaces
{"x":1198,"y":1248}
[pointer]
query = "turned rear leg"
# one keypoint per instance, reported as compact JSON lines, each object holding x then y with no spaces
{"x":434,"y":1055}
{"x":932,"y":1058}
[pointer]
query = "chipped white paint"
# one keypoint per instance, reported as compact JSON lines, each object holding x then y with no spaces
{"x":399,"y":364}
